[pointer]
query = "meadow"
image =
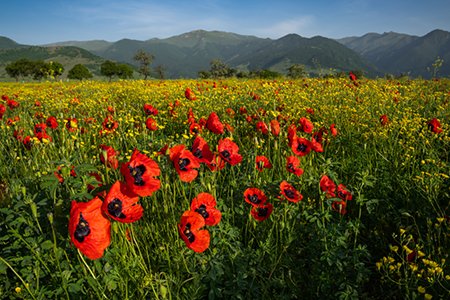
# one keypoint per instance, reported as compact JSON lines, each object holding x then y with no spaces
{"x":229,"y":189}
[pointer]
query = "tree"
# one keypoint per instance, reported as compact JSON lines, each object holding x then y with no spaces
{"x":55,"y":68}
{"x":40,"y":69}
{"x":219,"y":69}
{"x":79,"y":72}
{"x":108,"y":69}
{"x":296,"y":71}
{"x":144,"y":59}
{"x":160,"y":71}
{"x":124,"y":71}
{"x":20,"y":68}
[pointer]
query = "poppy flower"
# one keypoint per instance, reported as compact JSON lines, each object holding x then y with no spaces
{"x":108,"y":157}
{"x":301,"y":146}
{"x":333,"y":129}
{"x":275,"y":127}
{"x":109,"y":124}
{"x":216,"y":164}
{"x":89,"y":230}
{"x":327,"y":185}
{"x":262,"y":163}
{"x":201,"y":151}
{"x":339,"y":206}
{"x":12,"y":104}
{"x":205,"y":205}
{"x":72,"y":124}
{"x":28,"y":142}
{"x":110,"y":109}
{"x":18,"y":134}
{"x":140,"y":173}
{"x":254,"y":196}
{"x":40,"y":132}
{"x":306,"y":125}
{"x":434,"y":125}
{"x":293,"y":165}
{"x":292,"y":134}
{"x":343,"y":193}
{"x":151,"y":124}
{"x":214,"y":124}
{"x":51,"y":122}
{"x":384,"y":120}
{"x":352,"y":76}
{"x":121,"y":205}
{"x":185,"y":163}
{"x":262,"y":211}
{"x":289,"y":192}
{"x":262,"y":127}
{"x":2,"y":110}
{"x":195,"y":128}
{"x":228,"y":151}
{"x":190,"y":116}
{"x":316,"y":146}
{"x":163,"y":150}
{"x":150,"y":110}
{"x":189,"y":230}
{"x":230,"y":112}
{"x":189,"y":94}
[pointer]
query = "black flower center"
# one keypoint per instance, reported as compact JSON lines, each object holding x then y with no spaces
{"x":115,"y":208}
{"x":137,"y":173}
{"x":291,"y":167}
{"x":202,"y":210}
{"x":342,"y":194}
{"x":301,"y":147}
{"x":183,"y":162}
{"x":262,"y":211}
{"x":198,"y":153}
{"x":253,"y":199}
{"x":289,"y":193}
{"x":82,"y":230}
{"x":188,"y":233}
{"x":226,"y":154}
{"x":39,"y":129}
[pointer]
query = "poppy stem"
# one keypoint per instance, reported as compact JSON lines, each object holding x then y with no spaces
{"x":90,"y":270}
{"x":18,"y":276}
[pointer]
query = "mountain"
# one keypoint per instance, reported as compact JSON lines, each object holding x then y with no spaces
{"x":186,"y":54}
{"x":7,"y":43}
{"x":397,"y":53}
{"x":93,"y":45}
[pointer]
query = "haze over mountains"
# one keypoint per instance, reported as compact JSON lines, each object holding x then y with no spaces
{"x":186,"y":54}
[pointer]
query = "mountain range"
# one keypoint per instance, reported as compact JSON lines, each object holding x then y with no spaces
{"x":184,"y":55}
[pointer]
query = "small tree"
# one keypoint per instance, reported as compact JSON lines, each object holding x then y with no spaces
{"x":109,"y":69}
{"x":124,"y":71}
{"x":20,"y":68}
{"x":79,"y":72}
{"x":55,"y":68}
{"x":296,"y":71}
{"x":160,"y":71}
{"x":218,"y":69}
{"x":144,"y":59}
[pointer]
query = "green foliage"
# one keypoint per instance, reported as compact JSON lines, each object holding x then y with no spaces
{"x":79,"y":72}
{"x":144,"y":59}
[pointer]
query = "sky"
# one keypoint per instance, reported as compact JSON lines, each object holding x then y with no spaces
{"x":37,"y":22}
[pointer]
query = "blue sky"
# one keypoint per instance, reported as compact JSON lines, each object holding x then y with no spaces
{"x":43,"y":21}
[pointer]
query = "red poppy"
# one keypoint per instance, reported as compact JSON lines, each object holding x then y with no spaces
{"x":293,"y":165}
{"x":89,"y":230}
{"x":40,"y":132}
{"x":228,"y":151}
{"x":230,"y":112}
{"x":339,"y":206}
{"x":12,"y":104}
{"x":12,"y":121}
{"x":242,"y":110}
{"x":18,"y":135}
{"x":310,"y":111}
{"x":214,"y":124}
{"x":195,"y":128}
{"x":327,"y":185}
{"x":333,"y":129}
{"x":201,"y":151}
{"x":275,"y":127}
{"x":292,"y":134}
{"x":301,"y":146}
{"x":109,"y":124}
{"x":262,"y":127}
{"x":316,"y":146}
{"x":163,"y":150}
{"x":189,"y":94}
{"x":110,"y":109}
{"x":151,"y":124}
{"x":189,"y":230}
{"x":343,"y":193}
{"x":216,"y":164}
{"x":190,"y":116}
{"x":289,"y":192}
{"x":185,"y":163}
{"x":205,"y":205}
{"x":140,"y":173}
{"x":306,"y":125}
{"x":384,"y":120}
{"x":262,"y":211}
{"x":150,"y":110}
{"x":51,"y":122}
{"x":121,"y":204}
{"x":434,"y":125}
{"x":254,"y":196}
{"x":72,"y":124}
{"x":28,"y":142}
{"x":108,"y":156}
{"x":262,"y":163}
{"x":2,"y":110}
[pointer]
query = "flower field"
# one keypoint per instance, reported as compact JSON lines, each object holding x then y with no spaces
{"x":233,"y":189}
